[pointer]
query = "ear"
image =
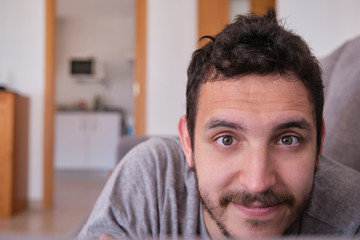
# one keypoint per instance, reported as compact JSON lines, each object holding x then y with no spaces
{"x":322,"y":142}
{"x":185,"y":140}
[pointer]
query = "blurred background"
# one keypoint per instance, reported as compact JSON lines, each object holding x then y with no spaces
{"x":96,"y":71}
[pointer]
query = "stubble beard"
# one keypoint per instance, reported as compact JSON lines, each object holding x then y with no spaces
{"x":267,"y":198}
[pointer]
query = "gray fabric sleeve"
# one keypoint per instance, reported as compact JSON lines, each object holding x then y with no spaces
{"x":123,"y":198}
{"x":151,"y":193}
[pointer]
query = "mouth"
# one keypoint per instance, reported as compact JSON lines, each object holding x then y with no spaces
{"x":257,"y":209}
{"x":261,"y":205}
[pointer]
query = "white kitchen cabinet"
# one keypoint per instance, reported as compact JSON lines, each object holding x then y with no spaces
{"x":86,"y":140}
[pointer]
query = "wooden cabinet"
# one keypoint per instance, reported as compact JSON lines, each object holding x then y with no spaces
{"x":13,"y":152}
{"x":86,"y":140}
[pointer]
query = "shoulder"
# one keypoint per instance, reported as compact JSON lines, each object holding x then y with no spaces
{"x":162,"y":147}
{"x":335,"y":203}
{"x":149,"y":164}
{"x":153,"y":155}
{"x":155,"y":176}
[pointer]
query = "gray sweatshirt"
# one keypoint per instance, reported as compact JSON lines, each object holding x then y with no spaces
{"x":152,"y":193}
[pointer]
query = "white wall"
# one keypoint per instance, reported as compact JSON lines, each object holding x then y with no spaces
{"x":324,"y":24}
{"x":109,"y":39}
{"x":22,"y":35}
{"x":238,"y":7}
{"x":171,"y":39}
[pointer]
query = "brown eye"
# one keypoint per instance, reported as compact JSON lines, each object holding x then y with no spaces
{"x":227,"y":140}
{"x":289,"y":140}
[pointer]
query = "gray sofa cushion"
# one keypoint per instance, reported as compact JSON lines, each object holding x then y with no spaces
{"x":341,"y":74}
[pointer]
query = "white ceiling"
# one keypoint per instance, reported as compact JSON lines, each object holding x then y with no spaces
{"x":95,"y":8}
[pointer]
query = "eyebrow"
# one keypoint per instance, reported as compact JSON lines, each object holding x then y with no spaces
{"x":301,"y":124}
{"x":216,"y":123}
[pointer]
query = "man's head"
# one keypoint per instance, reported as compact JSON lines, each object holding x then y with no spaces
{"x":254,"y":45}
{"x":253,"y":129}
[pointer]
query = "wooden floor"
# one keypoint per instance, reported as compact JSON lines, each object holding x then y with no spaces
{"x":75,"y":194}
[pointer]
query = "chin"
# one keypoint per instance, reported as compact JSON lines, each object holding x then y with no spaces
{"x":256,"y":233}
{"x":255,"y":228}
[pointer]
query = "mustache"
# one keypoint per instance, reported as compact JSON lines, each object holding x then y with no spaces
{"x":269,"y":198}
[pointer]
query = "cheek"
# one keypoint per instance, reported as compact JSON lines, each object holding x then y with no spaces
{"x":297,"y":175}
{"x":214,"y":176}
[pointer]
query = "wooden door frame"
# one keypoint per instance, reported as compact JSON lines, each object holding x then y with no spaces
{"x":49,"y":104}
{"x":140,"y":68}
{"x":49,"y":98}
{"x":213,"y":15}
{"x":261,"y":6}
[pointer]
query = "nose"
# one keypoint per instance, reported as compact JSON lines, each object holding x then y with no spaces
{"x":257,"y":172}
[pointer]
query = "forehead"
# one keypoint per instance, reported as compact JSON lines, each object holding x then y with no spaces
{"x":255,"y":95}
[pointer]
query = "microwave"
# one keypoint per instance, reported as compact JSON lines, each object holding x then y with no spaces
{"x":86,"y":68}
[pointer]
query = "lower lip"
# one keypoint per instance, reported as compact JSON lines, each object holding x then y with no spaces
{"x":257,"y":211}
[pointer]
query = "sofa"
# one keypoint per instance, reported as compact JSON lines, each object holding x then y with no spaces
{"x":341,"y":74}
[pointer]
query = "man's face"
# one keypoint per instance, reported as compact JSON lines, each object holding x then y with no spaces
{"x":254,"y":154}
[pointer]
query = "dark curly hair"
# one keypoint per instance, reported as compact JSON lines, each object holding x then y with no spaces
{"x":259,"y":45}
